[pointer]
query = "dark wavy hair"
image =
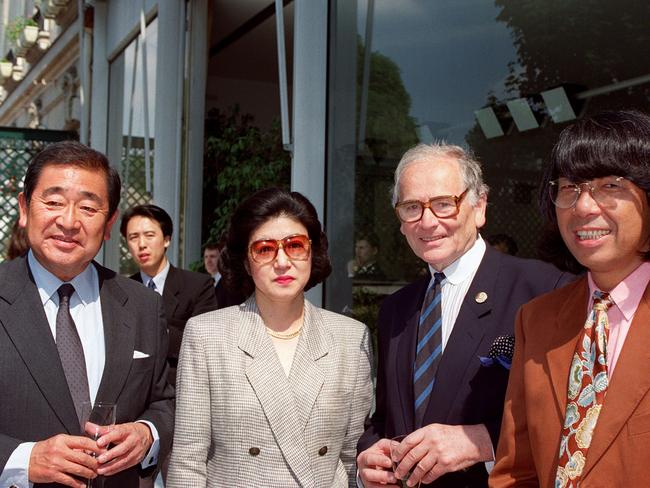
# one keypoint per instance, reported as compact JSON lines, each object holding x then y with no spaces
{"x":75,"y":154}
{"x":255,"y":211}
{"x":609,"y":143}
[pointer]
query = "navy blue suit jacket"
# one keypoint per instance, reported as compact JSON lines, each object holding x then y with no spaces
{"x":465,"y":393}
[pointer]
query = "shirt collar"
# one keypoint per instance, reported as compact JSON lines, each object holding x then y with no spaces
{"x":86,"y":283}
{"x":466,"y":265}
{"x":159,"y":279}
{"x":628,"y":293}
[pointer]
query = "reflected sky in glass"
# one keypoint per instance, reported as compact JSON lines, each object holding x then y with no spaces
{"x":133,"y":93}
{"x":452,"y":54}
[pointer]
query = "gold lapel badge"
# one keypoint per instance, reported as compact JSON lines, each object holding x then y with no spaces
{"x":480,"y":297}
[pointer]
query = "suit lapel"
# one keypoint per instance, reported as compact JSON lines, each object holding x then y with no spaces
{"x":172,"y":288}
{"x":27,"y":326}
{"x":306,"y":376}
{"x":119,"y":337}
{"x":404,"y":354}
{"x":629,"y":384}
{"x":564,"y":335}
{"x":461,"y":350}
{"x":274,"y":392}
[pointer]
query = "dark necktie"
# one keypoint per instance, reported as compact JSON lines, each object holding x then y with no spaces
{"x":429,"y":348}
{"x":70,"y":350}
{"x":588,"y":382}
{"x":151,"y":285}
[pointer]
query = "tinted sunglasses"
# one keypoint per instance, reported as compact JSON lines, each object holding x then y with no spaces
{"x":296,"y":247}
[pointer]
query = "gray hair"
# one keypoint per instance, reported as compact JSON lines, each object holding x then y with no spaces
{"x":470,"y":168}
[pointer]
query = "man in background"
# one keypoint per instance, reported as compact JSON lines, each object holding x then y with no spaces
{"x":225,"y":296}
{"x":148,"y":231}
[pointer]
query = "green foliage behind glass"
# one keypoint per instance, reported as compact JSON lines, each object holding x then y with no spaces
{"x":240,"y":159}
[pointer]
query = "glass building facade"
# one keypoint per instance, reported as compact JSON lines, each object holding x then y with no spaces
{"x":499,"y":77}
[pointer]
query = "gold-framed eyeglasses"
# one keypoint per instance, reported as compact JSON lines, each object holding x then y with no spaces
{"x":443,"y":207}
{"x":297,"y":248}
{"x":605,"y":191}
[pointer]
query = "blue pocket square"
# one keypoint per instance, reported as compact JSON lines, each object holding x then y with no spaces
{"x":500,"y":352}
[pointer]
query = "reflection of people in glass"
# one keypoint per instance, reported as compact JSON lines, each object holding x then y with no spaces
{"x":364,"y":266}
{"x":225,"y":296}
{"x":503,"y":243}
{"x":273,"y":392}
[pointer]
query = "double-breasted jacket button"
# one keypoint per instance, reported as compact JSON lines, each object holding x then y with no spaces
{"x":322,"y":451}
{"x":254,"y":451}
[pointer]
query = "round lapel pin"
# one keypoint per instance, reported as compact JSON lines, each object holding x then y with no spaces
{"x":480,"y":297}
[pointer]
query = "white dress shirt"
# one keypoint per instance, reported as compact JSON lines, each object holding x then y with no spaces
{"x":458,"y":278}
{"x":159,"y":279}
{"x":86,"y":311}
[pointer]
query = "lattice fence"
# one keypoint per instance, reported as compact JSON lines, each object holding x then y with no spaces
{"x":17,"y":148}
{"x":134,"y":189}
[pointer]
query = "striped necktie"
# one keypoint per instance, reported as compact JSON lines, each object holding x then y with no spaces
{"x":429,"y":348}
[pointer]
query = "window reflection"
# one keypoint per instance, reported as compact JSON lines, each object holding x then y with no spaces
{"x":131,"y":123}
{"x":501,"y":77}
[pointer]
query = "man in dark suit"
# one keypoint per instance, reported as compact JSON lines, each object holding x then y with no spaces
{"x":225,"y":295}
{"x":148,"y":231}
{"x":431,"y":382}
{"x":72,"y":331}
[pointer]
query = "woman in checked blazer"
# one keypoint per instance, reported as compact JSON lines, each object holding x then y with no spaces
{"x":273,"y":392}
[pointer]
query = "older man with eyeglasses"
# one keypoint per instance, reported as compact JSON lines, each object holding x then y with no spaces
{"x":577,"y":410}
{"x":444,"y":340}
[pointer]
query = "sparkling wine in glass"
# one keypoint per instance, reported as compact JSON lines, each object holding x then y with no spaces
{"x":394,"y":442}
{"x":97,"y":420}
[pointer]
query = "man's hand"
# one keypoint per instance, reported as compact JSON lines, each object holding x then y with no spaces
{"x":131,"y":442}
{"x":64,"y":459}
{"x":375,"y":467}
{"x":436,"y":449}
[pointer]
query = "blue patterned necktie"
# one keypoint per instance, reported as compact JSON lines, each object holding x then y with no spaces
{"x":71,"y":351}
{"x":151,"y":285}
{"x":429,"y":348}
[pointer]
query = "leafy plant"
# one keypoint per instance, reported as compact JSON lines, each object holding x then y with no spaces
{"x":16,"y":27}
{"x":240,"y":159}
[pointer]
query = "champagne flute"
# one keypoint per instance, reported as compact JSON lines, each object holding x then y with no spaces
{"x":97,"y":420}
{"x":394,"y":442}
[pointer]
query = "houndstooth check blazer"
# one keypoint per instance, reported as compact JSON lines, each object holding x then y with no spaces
{"x":241,"y":422}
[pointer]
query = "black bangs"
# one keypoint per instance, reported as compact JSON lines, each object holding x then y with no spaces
{"x":610,"y":143}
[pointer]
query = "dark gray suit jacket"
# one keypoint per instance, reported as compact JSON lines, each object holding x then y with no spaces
{"x":35,"y":400}
{"x":464,"y":393}
{"x":186,"y":294}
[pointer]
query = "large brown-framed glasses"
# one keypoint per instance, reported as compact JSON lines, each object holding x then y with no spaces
{"x":296,"y":247}
{"x":443,"y":207}
{"x":605,"y":191}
